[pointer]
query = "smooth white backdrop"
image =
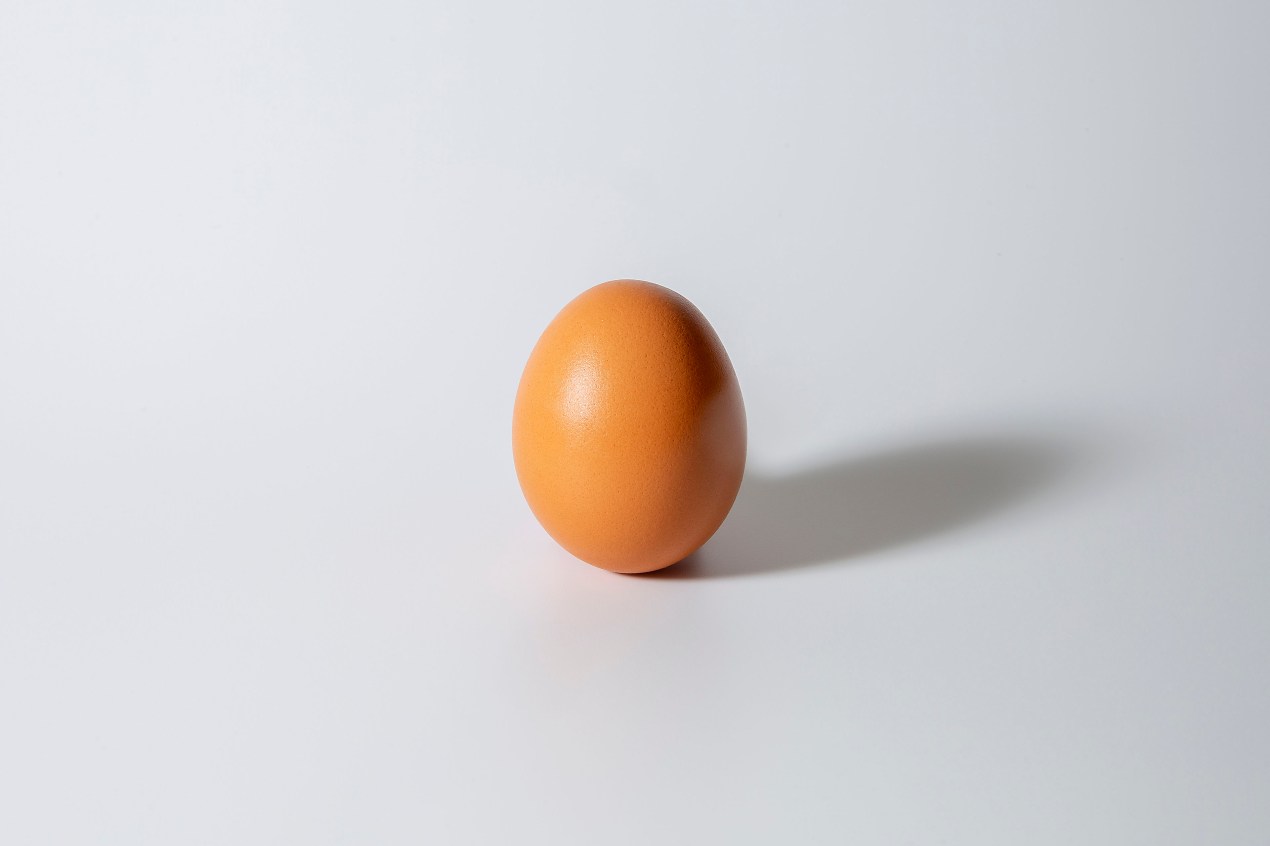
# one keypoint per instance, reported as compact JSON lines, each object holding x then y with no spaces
{"x":994,"y":278}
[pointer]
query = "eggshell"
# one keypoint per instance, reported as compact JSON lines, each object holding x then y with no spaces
{"x":629,"y":429}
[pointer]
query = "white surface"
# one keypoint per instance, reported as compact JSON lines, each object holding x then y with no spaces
{"x":993,"y":276}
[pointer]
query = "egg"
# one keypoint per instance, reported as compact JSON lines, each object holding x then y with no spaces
{"x":628,"y":431}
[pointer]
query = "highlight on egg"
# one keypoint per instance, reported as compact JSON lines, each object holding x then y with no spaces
{"x":628,"y":431}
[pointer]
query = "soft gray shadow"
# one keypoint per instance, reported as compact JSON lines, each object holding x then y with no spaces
{"x":853,"y":507}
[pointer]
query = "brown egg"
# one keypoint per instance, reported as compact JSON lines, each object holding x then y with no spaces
{"x":629,"y":429}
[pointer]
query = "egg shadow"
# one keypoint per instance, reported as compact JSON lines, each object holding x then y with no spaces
{"x":853,"y":507}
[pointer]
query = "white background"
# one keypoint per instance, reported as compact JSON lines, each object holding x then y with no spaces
{"x":995,"y":278}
